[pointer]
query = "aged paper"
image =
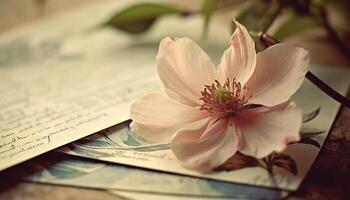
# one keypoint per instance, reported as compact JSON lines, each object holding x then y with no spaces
{"x":119,"y":145}
{"x":57,"y":105}
{"x":61,"y":85}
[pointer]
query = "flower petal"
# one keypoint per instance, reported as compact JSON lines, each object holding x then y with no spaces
{"x":239,"y":59}
{"x":205,"y":153}
{"x":265,"y":130}
{"x":280,"y":71}
{"x":184,"y":69}
{"x":156,"y":117}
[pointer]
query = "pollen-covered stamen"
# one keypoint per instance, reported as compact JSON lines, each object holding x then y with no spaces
{"x":229,"y":97}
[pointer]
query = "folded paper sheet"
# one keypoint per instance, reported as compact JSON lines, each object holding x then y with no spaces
{"x":120,"y":145}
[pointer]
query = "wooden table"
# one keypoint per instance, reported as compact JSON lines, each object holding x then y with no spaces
{"x":329,"y":178}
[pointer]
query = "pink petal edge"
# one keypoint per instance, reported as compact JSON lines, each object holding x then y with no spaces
{"x":205,"y":154}
{"x":279,"y":73}
{"x":184,"y":69}
{"x":239,"y":60}
{"x":156,"y":116}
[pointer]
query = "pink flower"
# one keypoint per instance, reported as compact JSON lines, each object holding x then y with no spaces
{"x":208,"y":114}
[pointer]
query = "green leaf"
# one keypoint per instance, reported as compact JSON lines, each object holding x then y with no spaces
{"x":207,"y":10}
{"x":258,"y":15}
{"x":286,"y":162}
{"x":306,"y":140}
{"x":311,"y":115}
{"x":295,"y":25}
{"x":310,"y":132}
{"x":139,"y":18}
{"x":238,"y":161}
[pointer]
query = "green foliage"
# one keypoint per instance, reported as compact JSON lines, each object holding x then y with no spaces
{"x":139,"y":18}
{"x":295,"y":25}
{"x":311,"y":115}
{"x":259,"y":14}
{"x":310,"y":132}
{"x":309,"y":141}
{"x":283,"y":161}
{"x":238,"y":161}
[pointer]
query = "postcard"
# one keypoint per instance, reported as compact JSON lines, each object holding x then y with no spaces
{"x":119,"y":145}
{"x":57,"y":168}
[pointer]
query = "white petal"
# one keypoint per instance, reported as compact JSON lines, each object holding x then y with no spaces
{"x":205,"y":153}
{"x":156,"y":117}
{"x":239,"y":59}
{"x":280,"y":71}
{"x":265,"y":130}
{"x":184,"y":69}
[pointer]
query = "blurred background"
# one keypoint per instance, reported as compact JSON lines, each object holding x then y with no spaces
{"x":321,"y":26}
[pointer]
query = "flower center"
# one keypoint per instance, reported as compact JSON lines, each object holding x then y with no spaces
{"x":228,"y":98}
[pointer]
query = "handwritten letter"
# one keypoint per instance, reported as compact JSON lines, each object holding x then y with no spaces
{"x":44,"y":106}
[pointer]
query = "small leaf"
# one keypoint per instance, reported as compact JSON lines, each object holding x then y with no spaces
{"x":306,"y":140}
{"x":207,"y":10}
{"x":295,"y":25}
{"x":281,"y":160}
{"x":238,"y":161}
{"x":139,"y":18}
{"x":286,"y":162}
{"x":311,"y":115}
{"x":310,"y":132}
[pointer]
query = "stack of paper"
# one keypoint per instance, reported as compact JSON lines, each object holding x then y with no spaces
{"x":60,"y":84}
